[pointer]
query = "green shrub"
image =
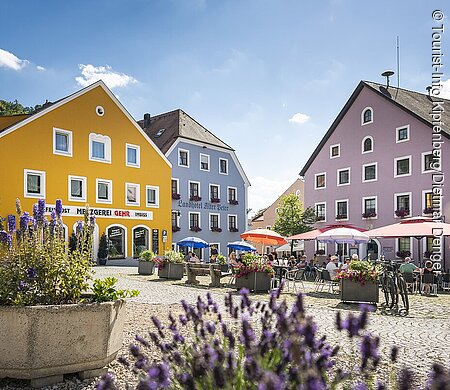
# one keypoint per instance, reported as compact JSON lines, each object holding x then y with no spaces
{"x":103,"y":247}
{"x":147,"y":255}
{"x":105,"y":290}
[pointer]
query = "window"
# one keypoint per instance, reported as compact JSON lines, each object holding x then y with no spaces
{"x":214,"y":221}
{"x":132,"y":194}
{"x":232,"y":195}
{"x":183,"y":158}
{"x":214,"y":193}
{"x":403,"y":246}
{"x":194,"y":191}
{"x":321,"y":248}
{"x":174,"y":219}
{"x":34,"y":184}
{"x":62,"y":142}
{"x":99,"y":148}
{"x":320,"y":180}
{"x":369,"y":172}
{"x":152,"y":196}
{"x":104,"y":191}
{"x":343,"y":177}
{"x":369,"y":207}
{"x":223,"y":166}
{"x":194,"y":221}
{"x":77,"y":188}
{"x":367,"y":145}
{"x":402,"y":204}
{"x":427,"y":201}
{"x":402,"y":134}
{"x":402,"y":166}
{"x":427,"y":162}
{"x":367,"y":116}
{"x":342,"y":209}
{"x":335,"y":151}
{"x":320,"y":212}
{"x":175,"y":189}
{"x":232,"y":223}
{"x":204,"y":162}
{"x":133,"y":157}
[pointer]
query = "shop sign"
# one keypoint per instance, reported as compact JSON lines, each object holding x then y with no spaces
{"x":203,"y":205}
{"x":74,"y":211}
{"x":155,"y":241}
{"x":164,"y":235}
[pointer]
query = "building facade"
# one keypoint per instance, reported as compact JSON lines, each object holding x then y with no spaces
{"x":376,"y":165}
{"x":209,"y":186}
{"x":87,"y":149}
{"x":265,"y":219}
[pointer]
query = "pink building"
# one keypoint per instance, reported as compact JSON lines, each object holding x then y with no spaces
{"x":375,"y":165}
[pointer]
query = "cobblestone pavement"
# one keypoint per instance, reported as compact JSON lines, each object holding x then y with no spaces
{"x":423,"y":336}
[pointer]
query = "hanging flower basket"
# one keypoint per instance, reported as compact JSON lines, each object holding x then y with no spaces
{"x":215,"y":200}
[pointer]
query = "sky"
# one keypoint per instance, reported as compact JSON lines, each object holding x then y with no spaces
{"x":268,"y":77}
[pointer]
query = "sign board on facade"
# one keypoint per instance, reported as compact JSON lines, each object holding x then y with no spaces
{"x":74,"y":211}
{"x":164,"y":235}
{"x":155,"y":241}
{"x":203,"y":206}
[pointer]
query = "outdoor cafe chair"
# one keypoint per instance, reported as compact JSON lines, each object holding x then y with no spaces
{"x":318,"y":283}
{"x":431,"y":280}
{"x":411,"y":281}
{"x":293,"y":277}
{"x":446,"y":282}
{"x":329,"y":282}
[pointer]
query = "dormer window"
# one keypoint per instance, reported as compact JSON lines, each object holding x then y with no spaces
{"x":367,"y":116}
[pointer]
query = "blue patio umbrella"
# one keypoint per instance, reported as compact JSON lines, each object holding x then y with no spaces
{"x":193,"y":242}
{"x":241,"y":246}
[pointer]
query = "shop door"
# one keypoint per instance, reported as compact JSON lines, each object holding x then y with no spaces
{"x":116,"y":237}
{"x":140,"y":240}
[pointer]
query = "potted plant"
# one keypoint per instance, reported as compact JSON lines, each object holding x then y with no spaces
{"x":49,"y":328}
{"x":233,"y":201}
{"x":428,"y":210}
{"x":170,"y":266}
{"x":403,"y":254}
{"x":401,"y":213}
{"x":102,"y":254}
{"x":215,"y":200}
{"x":359,"y":282}
{"x":175,"y":196}
{"x":253,"y":273}
{"x":234,"y":229}
{"x":216,"y":229}
{"x":369,"y":214}
{"x":222,"y":261}
{"x":196,"y":229}
{"x":146,"y":263}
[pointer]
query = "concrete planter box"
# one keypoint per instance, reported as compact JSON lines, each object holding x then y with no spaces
{"x":146,"y":267}
{"x":254,"y":281}
{"x":42,"y":343}
{"x":352,"y":291}
{"x":172,"y":271}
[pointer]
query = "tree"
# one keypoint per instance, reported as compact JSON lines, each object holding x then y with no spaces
{"x":14,"y":108}
{"x":291,"y":218}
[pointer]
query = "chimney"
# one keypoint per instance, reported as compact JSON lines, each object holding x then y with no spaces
{"x":428,"y":90}
{"x":146,"y":120}
{"x":387,"y":74}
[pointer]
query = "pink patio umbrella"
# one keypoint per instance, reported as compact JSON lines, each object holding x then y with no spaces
{"x":417,"y":227}
{"x":311,"y":235}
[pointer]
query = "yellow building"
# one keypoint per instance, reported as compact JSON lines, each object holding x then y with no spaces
{"x":87,"y":149}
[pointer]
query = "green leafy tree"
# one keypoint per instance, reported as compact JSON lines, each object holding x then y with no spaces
{"x":291,"y":218}
{"x":15,"y":108}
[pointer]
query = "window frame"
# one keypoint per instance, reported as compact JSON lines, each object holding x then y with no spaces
{"x":235,"y":193}
{"x":396,"y":195}
{"x":423,"y":155}
{"x":83,"y":180}
{"x":138,"y":155}
{"x":220,"y":166}
{"x":363,"y":179}
{"x":349,"y":177}
{"x":42,"y":191}
{"x":199,"y":219}
{"x":189,"y":188}
{"x":187,"y":157}
{"x":397,"y":131}
{"x":209,"y":162}
{"x":325,"y":210}
{"x":396,"y":159}
{"x":362,"y":144}
{"x":178,"y":185}
{"x":325,"y":181}
{"x":151,"y":205}
{"x":362,"y":116}
{"x":218,"y":220}
{"x":101,"y":139}
{"x":69,"y":152}
{"x":363,"y":205}
{"x":218,"y":190}
{"x":336,"y":209}
{"x":331,"y":151}
{"x":138,"y":194}
{"x":235,"y":219}
{"x":110,"y":191}
{"x":397,"y":246}
{"x":318,"y":244}
{"x":424,"y":203}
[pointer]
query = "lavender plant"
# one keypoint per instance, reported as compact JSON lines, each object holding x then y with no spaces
{"x":265,"y":346}
{"x":35,"y":266}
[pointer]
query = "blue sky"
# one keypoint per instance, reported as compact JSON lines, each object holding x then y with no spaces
{"x":267,"y":77}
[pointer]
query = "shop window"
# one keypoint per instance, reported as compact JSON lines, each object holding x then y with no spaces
{"x":117,"y":242}
{"x":140,"y":240}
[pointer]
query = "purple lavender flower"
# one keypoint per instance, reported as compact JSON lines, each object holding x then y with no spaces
{"x":11,"y":223}
{"x":35,"y":211}
{"x":40,"y":211}
{"x":58,"y":207}
{"x":79,"y":227}
{"x":22,"y":286}
{"x":5,"y":238}
{"x":24,"y":221}
{"x":107,"y":382}
{"x":31,"y":273}
{"x":92,"y":220}
{"x":406,"y":380}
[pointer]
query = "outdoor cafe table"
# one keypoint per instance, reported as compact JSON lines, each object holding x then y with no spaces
{"x":280,"y":270}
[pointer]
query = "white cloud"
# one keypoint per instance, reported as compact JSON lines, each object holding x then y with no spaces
{"x":299,"y":118}
{"x":445,"y":91}
{"x":90,"y":74}
{"x":9,"y":60}
{"x":40,"y":67}
{"x":263,"y":192}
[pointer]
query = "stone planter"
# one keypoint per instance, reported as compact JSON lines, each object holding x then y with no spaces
{"x":102,"y":261}
{"x":172,"y":271}
{"x":352,"y":291}
{"x":146,"y":267}
{"x":254,"y":281}
{"x":42,"y":343}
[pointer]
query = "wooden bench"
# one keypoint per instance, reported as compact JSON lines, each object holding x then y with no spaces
{"x":197,"y":269}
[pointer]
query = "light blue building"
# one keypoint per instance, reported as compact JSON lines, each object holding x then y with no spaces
{"x":209,"y":186}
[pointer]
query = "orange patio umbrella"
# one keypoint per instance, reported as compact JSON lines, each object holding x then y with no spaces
{"x":264,"y":236}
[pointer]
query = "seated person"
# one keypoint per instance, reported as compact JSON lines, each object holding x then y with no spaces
{"x":427,"y":270}
{"x":194,"y":258}
{"x":346,"y":263}
{"x":332,"y":267}
{"x":233,"y":260}
{"x":270,"y":257}
{"x":187,"y":257}
{"x":408,"y":267}
{"x":292,"y":262}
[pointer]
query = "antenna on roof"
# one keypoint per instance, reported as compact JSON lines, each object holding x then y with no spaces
{"x":387,"y":74}
{"x":398,"y":62}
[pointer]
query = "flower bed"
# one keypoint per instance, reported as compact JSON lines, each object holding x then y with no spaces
{"x":360,"y":272}
{"x":253,"y":263}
